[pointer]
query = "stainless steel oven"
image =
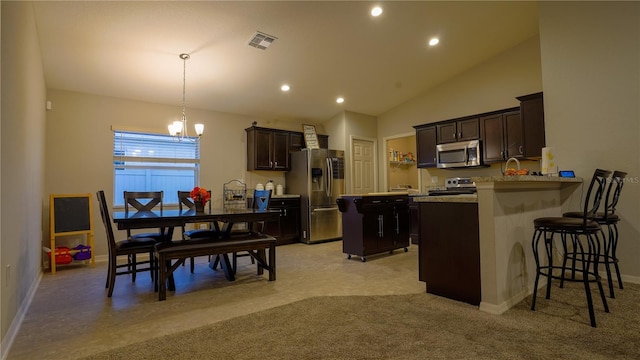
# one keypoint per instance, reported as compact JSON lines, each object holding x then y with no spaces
{"x":459,"y":154}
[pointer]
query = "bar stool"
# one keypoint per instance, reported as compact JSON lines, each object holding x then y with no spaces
{"x":610,"y":219}
{"x":584,"y":236}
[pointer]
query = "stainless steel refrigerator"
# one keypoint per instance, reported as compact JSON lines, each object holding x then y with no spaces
{"x":318,"y":176}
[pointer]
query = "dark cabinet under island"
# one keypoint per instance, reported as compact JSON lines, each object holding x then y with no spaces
{"x":373,"y":224}
{"x":449,"y":250}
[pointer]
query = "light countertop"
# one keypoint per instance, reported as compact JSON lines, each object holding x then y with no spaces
{"x":524,"y":178}
{"x":462,"y":198}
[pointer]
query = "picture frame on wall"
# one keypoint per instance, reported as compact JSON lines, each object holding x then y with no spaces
{"x":310,"y":137}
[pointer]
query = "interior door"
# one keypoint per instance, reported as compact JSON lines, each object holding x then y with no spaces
{"x":362,"y":167}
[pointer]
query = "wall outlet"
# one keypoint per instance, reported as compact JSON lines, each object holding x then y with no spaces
{"x":434,"y":179}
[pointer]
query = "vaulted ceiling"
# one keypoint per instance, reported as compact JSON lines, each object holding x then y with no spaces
{"x":323,"y":50}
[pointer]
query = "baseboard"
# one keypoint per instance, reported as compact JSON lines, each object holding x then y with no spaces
{"x":630,"y":279}
{"x":503,"y":307}
{"x":12,"y":332}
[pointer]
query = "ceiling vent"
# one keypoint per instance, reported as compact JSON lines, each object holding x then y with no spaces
{"x":261,"y":40}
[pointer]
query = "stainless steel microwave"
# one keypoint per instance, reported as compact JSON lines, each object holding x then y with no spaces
{"x":459,"y":154}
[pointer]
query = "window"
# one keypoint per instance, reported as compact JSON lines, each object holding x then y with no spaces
{"x":154,"y":162}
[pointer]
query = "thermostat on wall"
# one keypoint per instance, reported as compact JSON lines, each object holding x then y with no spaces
{"x":567,"y":173}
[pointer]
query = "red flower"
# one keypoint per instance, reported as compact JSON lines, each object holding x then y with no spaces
{"x":199,"y":194}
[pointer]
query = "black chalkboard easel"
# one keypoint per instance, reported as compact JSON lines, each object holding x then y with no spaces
{"x":70,"y":214}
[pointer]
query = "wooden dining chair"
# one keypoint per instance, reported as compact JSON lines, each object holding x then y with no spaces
{"x":143,"y":201}
{"x":126,"y":248}
{"x":185,"y":202}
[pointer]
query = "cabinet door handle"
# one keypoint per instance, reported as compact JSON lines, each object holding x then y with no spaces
{"x":520,"y":149}
{"x":380,"y":226}
{"x":276,"y":165}
{"x":460,"y":135}
{"x":453,"y":136}
{"x":271,"y":164}
{"x":285,"y":212}
{"x":397,"y":223}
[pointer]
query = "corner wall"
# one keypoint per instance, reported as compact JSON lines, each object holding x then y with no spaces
{"x":22,"y":165}
{"x":591,"y":75}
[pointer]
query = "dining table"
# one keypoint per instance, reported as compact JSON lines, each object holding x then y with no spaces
{"x":168,"y":219}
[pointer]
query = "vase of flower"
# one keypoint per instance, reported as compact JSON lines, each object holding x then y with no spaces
{"x":199,"y":207}
{"x":200,"y":196}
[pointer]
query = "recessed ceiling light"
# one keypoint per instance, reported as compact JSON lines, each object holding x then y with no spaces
{"x":285,"y":87}
{"x":340,"y":100}
{"x":434,"y":41}
{"x":376,"y":11}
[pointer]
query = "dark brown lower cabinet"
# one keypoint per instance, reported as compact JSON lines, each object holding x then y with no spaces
{"x":374,"y":224}
{"x":288,"y":231}
{"x":449,"y":250}
{"x":414,"y":215}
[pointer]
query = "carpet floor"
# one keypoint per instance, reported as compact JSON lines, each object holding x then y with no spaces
{"x":418,"y":326}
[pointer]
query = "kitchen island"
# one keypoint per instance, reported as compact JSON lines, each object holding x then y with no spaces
{"x":506,"y":208}
{"x":449,"y":246}
{"x":374,"y":223}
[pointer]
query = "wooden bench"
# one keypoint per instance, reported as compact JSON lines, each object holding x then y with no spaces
{"x":254,"y":243}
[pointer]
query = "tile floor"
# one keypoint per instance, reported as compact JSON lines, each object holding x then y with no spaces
{"x":71,"y":316}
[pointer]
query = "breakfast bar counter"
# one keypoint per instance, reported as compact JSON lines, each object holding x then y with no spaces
{"x":476,"y":248}
{"x":507,"y":206}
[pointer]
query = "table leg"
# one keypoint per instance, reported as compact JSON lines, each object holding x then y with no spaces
{"x":167,"y":235}
{"x":226,"y":266}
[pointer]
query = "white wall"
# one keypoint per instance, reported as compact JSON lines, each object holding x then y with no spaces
{"x":588,"y":58}
{"x":591,"y":75}
{"x":80,"y":145}
{"x":22,"y":165}
{"x":492,"y":85}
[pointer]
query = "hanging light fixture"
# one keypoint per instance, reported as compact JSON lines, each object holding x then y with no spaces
{"x":178,"y":128}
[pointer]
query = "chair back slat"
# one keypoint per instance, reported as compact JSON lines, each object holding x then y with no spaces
{"x":142,"y":200}
{"x":611,"y":200}
{"x":106,"y":220}
{"x":261,"y":199}
{"x":594,"y":194}
{"x":184,"y":199}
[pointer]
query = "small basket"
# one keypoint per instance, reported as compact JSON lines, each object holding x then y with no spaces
{"x":62,"y":255}
{"x":83,"y":252}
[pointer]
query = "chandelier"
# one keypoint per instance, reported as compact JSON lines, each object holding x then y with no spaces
{"x":178,"y":129}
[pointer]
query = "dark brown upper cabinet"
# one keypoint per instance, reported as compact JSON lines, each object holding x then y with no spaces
{"x":458,"y":130}
{"x":426,"y":145}
{"x":502,"y":135}
{"x":532,"y":113}
{"x":267,"y":149}
{"x":515,"y":132}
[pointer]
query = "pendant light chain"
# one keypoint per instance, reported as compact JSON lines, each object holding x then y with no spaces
{"x":184,"y":58}
{"x":179,"y":129}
